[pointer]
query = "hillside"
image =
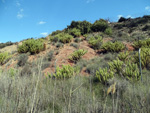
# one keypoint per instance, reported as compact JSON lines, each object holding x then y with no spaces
{"x":125,"y":30}
{"x":102,"y":55}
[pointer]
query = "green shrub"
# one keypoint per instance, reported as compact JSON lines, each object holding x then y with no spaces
{"x":145,"y":57}
{"x":55,"y":32}
{"x":128,"y":70}
{"x":76,"y":55}
{"x":123,"y":56}
{"x":116,"y":66}
{"x":33,"y":46}
{"x":4,"y":57}
{"x":108,"y":31}
{"x":75,"y":32}
{"x":113,"y":47}
{"x":141,"y":43}
{"x":66,"y":38}
{"x":104,"y":74}
{"x":138,"y":44}
{"x":95,"y":42}
{"x":61,"y":37}
{"x":83,"y":26}
{"x":66,"y":71}
{"x":99,"y":25}
{"x":131,"y":72}
{"x":12,"y":72}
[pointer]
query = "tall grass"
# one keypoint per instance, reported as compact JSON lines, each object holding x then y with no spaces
{"x":78,"y":94}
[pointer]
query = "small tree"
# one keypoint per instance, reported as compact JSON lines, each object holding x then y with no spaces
{"x":99,"y":25}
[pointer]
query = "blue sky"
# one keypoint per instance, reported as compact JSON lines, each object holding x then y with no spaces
{"x":22,"y":19}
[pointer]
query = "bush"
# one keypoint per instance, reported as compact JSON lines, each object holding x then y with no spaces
{"x":22,"y":59}
{"x":110,"y":56}
{"x":128,"y":70}
{"x":95,"y":42}
{"x":75,"y":32}
{"x":2,"y":45}
{"x":83,"y":26}
{"x":99,"y":25}
{"x":141,"y":43}
{"x":116,"y":66}
{"x":59,"y":44}
{"x":123,"y":56}
{"x":66,"y":38}
{"x":61,"y":37}
{"x":113,"y":47}
{"x":50,"y":55}
{"x":66,"y":71}
{"x":131,"y":72}
{"x":108,"y":31}
{"x":56,"y":32}
{"x":77,"y":40}
{"x":75,"y":45}
{"x":145,"y":57}
{"x":104,"y":74}
{"x":33,"y":46}
{"x":76,"y":55}
{"x":122,"y":19}
{"x":4,"y":57}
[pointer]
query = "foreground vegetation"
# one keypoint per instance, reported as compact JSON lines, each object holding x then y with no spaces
{"x":35,"y":93}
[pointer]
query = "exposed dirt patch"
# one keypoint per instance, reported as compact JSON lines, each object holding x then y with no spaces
{"x":91,"y":52}
{"x":83,"y":72}
{"x":9,"y":49}
{"x":107,"y":39}
{"x":64,"y":53}
{"x":129,"y":46}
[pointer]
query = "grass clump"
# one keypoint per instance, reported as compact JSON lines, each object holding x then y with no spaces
{"x":4,"y":57}
{"x":50,"y":55}
{"x":33,"y":46}
{"x":76,"y":55}
{"x":95,"y":42}
{"x":113,"y":47}
{"x":22,"y":59}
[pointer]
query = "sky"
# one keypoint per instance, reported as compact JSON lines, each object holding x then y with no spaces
{"x":22,"y":19}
